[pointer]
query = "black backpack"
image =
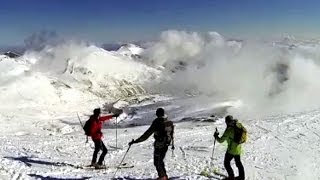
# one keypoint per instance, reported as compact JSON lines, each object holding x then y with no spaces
{"x":164,"y":133}
{"x":87,"y":127}
{"x":240,"y":134}
{"x":169,"y":129}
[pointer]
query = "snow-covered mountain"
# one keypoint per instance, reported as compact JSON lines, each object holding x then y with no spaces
{"x":198,"y":78}
{"x":130,"y":50}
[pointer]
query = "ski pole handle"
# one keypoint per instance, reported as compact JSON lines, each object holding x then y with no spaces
{"x":216,"y":132}
{"x":131,"y":142}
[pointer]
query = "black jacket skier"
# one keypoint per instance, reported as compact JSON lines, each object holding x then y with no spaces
{"x":163,"y":130}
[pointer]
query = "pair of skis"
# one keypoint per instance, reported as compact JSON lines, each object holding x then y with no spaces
{"x":122,"y":166}
{"x":212,"y":173}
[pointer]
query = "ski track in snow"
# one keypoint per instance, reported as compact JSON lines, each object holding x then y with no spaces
{"x":279,"y":147}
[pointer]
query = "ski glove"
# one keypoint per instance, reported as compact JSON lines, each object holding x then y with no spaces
{"x":132,"y":142}
{"x":216,"y":134}
{"x":115,"y":115}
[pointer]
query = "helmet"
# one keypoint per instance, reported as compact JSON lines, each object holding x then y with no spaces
{"x":160,"y":112}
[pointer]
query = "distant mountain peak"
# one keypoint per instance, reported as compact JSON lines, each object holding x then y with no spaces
{"x":12,"y":54}
{"x":130,"y":50}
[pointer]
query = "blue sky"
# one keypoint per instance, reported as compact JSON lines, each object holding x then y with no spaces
{"x":129,"y":20}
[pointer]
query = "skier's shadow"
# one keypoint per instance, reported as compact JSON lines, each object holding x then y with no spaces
{"x":53,"y":178}
{"x":28,"y":161}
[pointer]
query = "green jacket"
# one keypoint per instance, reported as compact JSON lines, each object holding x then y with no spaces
{"x":228,"y":135}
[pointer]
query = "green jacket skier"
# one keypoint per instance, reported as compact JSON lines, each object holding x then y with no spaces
{"x":234,"y":140}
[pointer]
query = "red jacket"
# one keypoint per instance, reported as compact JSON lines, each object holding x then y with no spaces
{"x":96,"y":126}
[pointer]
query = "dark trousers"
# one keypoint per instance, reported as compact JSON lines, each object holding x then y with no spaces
{"x":227,"y":159}
{"x":98,"y":145}
{"x":158,"y":157}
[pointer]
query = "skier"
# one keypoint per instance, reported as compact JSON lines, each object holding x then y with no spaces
{"x":163,"y":130}
{"x":95,"y":132}
{"x":235,"y":135}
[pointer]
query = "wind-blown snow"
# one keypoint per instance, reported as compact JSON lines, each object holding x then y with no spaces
{"x":267,"y":78}
{"x":197,"y":78}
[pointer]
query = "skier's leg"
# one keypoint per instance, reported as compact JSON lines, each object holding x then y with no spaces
{"x":240,"y":167}
{"x":227,"y":160}
{"x":162,"y":165}
{"x":156,"y":160}
{"x":95,"y":152}
{"x":158,"y":156}
{"x":103,"y":154}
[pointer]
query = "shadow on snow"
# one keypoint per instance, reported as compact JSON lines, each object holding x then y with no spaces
{"x":28,"y":161}
{"x":53,"y":178}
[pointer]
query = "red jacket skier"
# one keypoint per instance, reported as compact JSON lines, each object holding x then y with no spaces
{"x":96,"y":135}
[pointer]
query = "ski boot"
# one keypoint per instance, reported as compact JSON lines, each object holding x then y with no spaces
{"x":239,"y":178}
{"x":99,"y":166}
{"x":163,"y":178}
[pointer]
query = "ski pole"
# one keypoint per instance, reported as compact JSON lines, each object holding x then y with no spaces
{"x":116,"y":132}
{"x":214,"y":144}
{"x":80,"y":120}
{"x":121,"y":162}
{"x":172,"y":145}
{"x":172,"y":148}
{"x":82,"y":126}
{"x":118,"y":113}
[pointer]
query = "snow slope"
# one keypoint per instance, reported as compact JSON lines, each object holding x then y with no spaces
{"x":279,"y":147}
{"x":65,"y":79}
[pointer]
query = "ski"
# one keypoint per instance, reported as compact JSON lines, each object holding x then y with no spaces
{"x":212,"y":176}
{"x":215,"y":174}
{"x":220,"y":174}
{"x":114,"y":147}
{"x":123,"y":166}
{"x":223,"y":176}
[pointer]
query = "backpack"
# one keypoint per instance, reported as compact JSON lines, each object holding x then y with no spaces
{"x":87,"y":127}
{"x":169,"y":129}
{"x":240,"y":134}
{"x":164,"y":133}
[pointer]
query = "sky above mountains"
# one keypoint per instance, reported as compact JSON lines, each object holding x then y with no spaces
{"x":126,"y":20}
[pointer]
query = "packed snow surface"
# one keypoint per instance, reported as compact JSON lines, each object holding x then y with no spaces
{"x":279,"y":147}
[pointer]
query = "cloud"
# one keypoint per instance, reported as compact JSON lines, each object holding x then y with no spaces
{"x":267,"y":78}
{"x":41,"y":39}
